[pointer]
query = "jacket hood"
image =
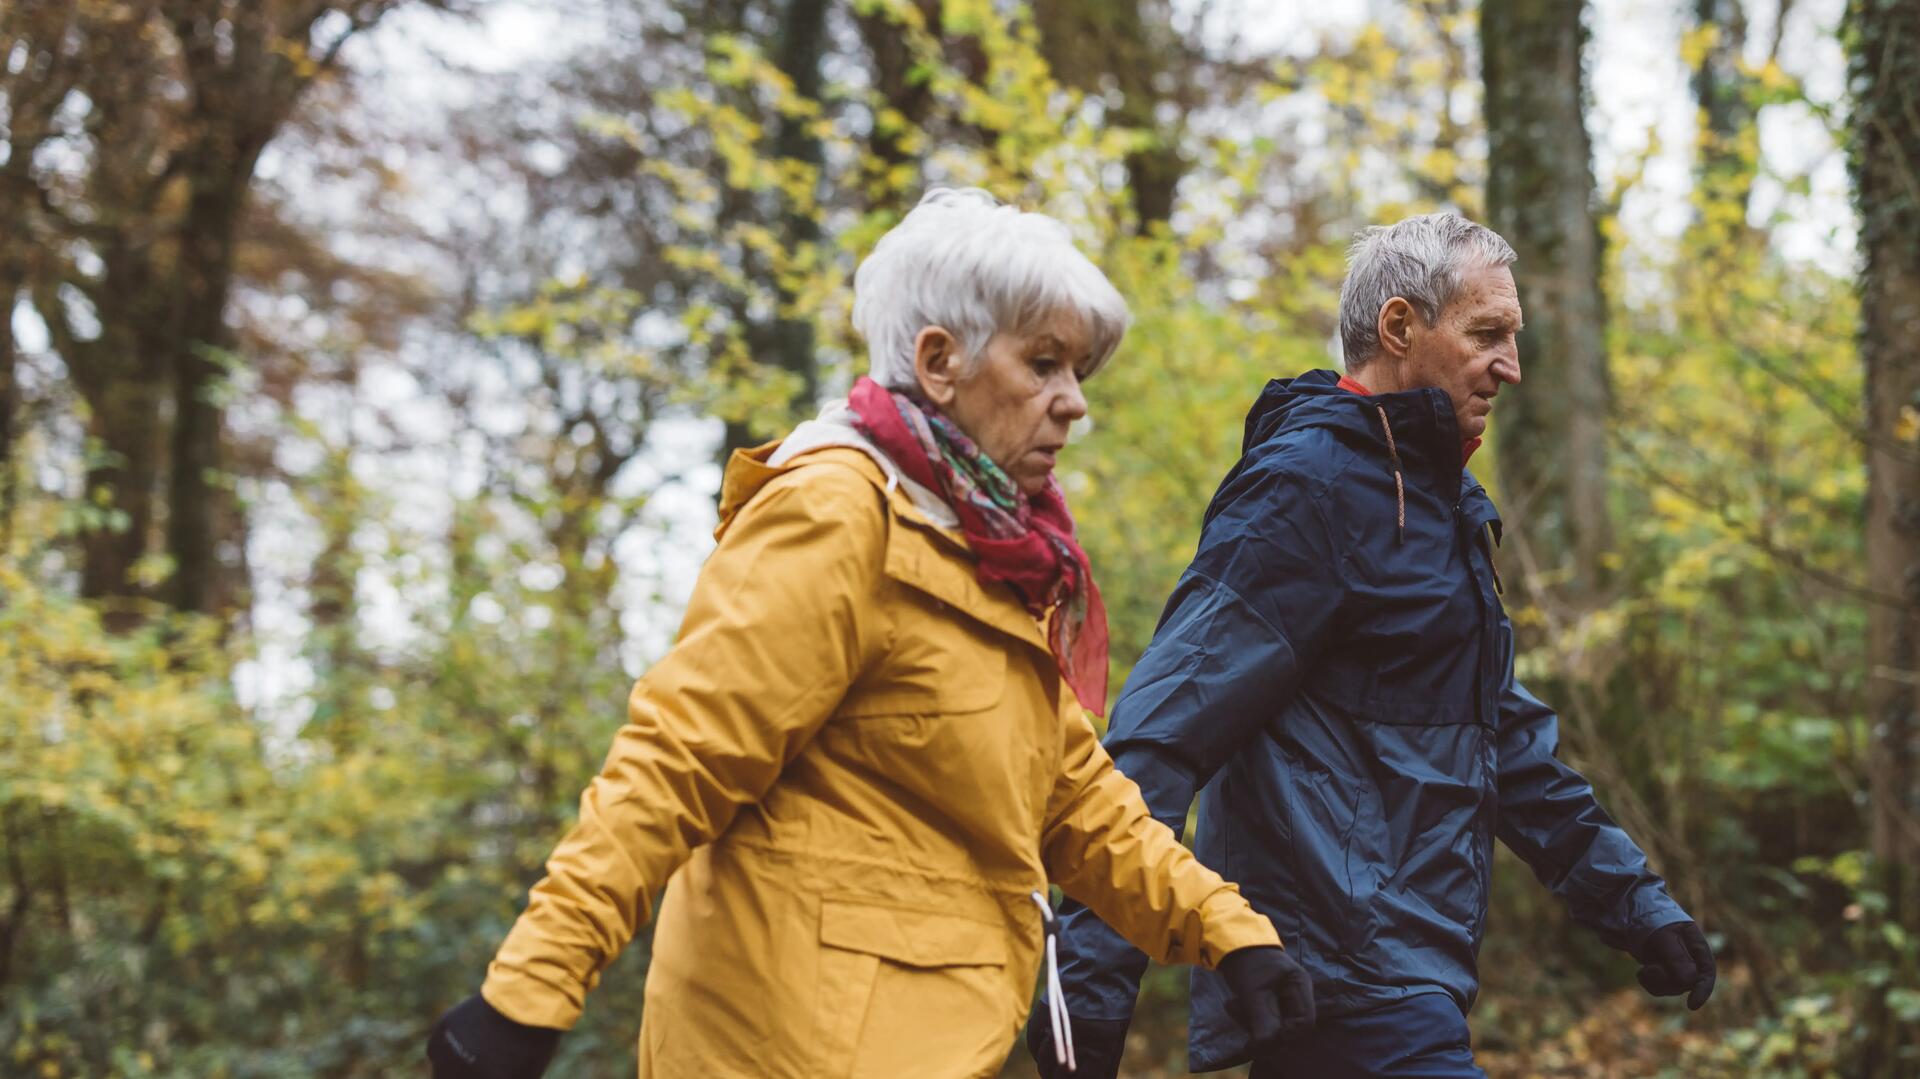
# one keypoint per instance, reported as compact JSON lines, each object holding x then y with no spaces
{"x":1414,"y":429}
{"x":1421,"y":419}
{"x":1314,"y":399}
{"x":752,"y":469}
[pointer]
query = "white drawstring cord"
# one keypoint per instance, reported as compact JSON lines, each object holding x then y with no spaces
{"x":1056,"y":1000}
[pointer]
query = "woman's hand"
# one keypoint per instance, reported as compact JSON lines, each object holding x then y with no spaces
{"x":1272,"y":996}
{"x":473,"y":1041}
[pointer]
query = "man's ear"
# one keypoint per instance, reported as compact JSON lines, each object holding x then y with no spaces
{"x":1395,"y":328}
{"x":936,"y":364}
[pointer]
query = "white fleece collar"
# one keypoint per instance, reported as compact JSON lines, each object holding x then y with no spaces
{"x":835,"y":427}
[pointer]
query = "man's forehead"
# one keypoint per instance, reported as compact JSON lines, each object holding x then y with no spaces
{"x":1487,"y":292}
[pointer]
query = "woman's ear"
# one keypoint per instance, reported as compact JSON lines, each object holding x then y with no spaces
{"x":936,"y":364}
{"x":1395,"y":328}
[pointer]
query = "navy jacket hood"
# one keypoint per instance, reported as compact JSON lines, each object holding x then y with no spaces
{"x":1425,"y":438}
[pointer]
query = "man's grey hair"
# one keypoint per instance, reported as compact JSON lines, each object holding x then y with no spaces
{"x":1422,"y":259}
{"x":963,"y":261}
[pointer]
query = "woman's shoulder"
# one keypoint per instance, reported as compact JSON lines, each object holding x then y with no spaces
{"x":836,"y":487}
{"x":838,"y":475}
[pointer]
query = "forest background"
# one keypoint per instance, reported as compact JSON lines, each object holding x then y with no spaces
{"x":369,"y":363}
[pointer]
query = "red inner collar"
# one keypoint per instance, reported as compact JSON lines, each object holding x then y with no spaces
{"x":1466,"y":448}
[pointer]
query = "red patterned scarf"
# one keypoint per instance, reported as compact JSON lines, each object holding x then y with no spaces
{"x":1025,"y":542}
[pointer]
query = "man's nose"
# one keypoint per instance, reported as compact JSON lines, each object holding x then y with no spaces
{"x":1507,"y":368}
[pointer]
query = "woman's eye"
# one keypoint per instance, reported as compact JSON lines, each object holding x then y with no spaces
{"x":1046,"y":365}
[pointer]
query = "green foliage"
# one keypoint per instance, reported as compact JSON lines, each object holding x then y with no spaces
{"x":193,"y":892}
{"x":1166,"y":423}
{"x":198,"y":883}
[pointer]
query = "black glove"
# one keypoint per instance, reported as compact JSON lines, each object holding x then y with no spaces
{"x":1675,"y":959}
{"x":1097,"y":1047}
{"x":1272,"y":996}
{"x":472,"y":1041}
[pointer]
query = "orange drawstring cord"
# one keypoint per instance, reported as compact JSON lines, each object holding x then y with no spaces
{"x":1399,"y":487}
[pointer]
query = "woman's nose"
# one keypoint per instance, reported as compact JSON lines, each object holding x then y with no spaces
{"x":1071,"y":403}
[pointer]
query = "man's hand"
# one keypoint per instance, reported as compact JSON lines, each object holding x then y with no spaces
{"x":473,"y":1041}
{"x":1675,"y":959}
{"x":1272,"y":996}
{"x":1097,"y":1047}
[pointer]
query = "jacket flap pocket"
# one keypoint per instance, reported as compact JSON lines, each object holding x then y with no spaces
{"x":914,"y":938}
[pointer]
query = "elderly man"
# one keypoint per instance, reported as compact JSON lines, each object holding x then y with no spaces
{"x":1334,"y":677}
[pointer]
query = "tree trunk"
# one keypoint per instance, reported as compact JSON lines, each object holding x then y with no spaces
{"x":204,"y":278}
{"x":34,"y":87}
{"x":1885,"y":158}
{"x":893,"y":76}
{"x":1729,"y":140}
{"x":121,"y":377}
{"x":788,"y":342}
{"x":9,"y":405}
{"x":124,"y":417}
{"x":802,"y":40}
{"x":1552,"y":433}
{"x":177,"y":126}
{"x":1089,"y":43}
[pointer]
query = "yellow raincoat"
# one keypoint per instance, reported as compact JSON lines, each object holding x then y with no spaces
{"x":849,"y":772}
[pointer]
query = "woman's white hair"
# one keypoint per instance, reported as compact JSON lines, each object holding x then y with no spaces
{"x":1421,"y":259}
{"x":963,"y":261}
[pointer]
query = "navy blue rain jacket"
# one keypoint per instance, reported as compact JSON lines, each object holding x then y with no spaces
{"x":1334,"y":676}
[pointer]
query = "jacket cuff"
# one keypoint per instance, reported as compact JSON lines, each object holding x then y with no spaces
{"x":1637,"y":938}
{"x":527,"y":990}
{"x":1230,"y":924}
{"x":1648,"y":909}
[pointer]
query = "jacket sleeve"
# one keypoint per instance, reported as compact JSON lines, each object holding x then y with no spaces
{"x":782,"y":620}
{"x":1255,"y":605}
{"x":1104,"y":849}
{"x":1551,"y":819}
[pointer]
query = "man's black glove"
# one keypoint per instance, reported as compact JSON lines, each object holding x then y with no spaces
{"x":472,"y":1041}
{"x":1097,"y":1047}
{"x":1272,"y":996}
{"x":1675,"y":959}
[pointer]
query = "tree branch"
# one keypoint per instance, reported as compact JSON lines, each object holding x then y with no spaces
{"x":1793,"y":560}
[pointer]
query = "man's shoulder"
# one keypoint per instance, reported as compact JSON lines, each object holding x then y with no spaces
{"x":1290,"y":475}
{"x":1315,"y":456}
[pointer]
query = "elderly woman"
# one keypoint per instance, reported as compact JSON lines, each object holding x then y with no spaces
{"x":868,"y":753}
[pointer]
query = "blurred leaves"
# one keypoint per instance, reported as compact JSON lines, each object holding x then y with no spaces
{"x":201,"y":881}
